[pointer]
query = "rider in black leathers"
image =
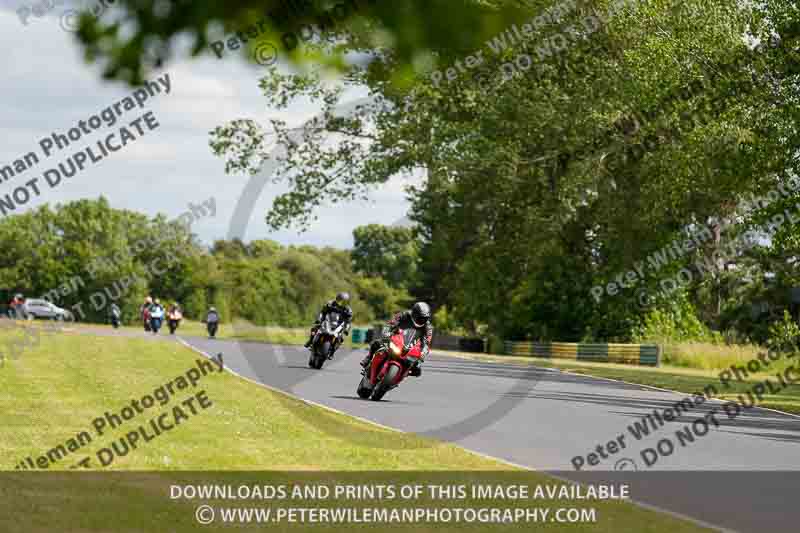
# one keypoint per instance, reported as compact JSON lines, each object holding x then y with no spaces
{"x":339,"y":305}
{"x":419,"y":318}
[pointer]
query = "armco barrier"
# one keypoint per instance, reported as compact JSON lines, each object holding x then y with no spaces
{"x":634,"y":354}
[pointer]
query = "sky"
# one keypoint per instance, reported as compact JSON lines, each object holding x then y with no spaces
{"x":47,"y":88}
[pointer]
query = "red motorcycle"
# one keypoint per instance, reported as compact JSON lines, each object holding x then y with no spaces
{"x":390,"y":365}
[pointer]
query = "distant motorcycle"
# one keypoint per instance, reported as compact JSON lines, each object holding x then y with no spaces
{"x":156,"y":319}
{"x":115,"y":318}
{"x":327,"y":340}
{"x":390,"y":365}
{"x":174,"y":318}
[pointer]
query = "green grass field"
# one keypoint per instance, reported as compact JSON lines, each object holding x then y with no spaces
{"x":73,"y":379}
{"x":55,"y":390}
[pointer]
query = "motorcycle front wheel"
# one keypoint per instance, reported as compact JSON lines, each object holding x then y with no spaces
{"x":321,"y":354}
{"x":364,"y":389}
{"x":386,"y":383}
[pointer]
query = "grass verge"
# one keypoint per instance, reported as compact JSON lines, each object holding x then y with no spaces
{"x":55,"y":390}
{"x":243,"y":331}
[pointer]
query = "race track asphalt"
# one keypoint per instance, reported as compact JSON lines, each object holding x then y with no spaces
{"x":741,"y":476}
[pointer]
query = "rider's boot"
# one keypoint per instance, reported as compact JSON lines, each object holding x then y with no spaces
{"x":310,"y":338}
{"x":374,"y":347}
{"x":365,"y":363}
{"x":366,"y":360}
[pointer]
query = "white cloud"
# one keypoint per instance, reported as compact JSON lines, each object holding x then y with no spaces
{"x":47,"y":87}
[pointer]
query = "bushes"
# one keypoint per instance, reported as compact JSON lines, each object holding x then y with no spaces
{"x":287,"y":286}
{"x":381,"y":300}
{"x":676,"y":322}
{"x":784,"y":334}
{"x":689,"y":343}
{"x":444,"y":321}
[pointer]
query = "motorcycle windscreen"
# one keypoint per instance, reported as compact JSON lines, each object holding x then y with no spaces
{"x":332,"y":321}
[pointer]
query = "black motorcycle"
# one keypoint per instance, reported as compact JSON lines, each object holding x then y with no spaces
{"x":327,"y":340}
{"x":116,"y":319}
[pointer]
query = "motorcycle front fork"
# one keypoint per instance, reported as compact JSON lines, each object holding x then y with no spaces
{"x":334,"y":345}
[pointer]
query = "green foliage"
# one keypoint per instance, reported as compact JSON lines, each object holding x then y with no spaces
{"x":784,"y":335}
{"x":195,"y":305}
{"x":272,"y":284}
{"x":386,"y":252}
{"x":98,"y":247}
{"x":444,"y":321}
{"x":416,"y":30}
{"x":540,"y":187}
{"x":676,"y":323}
{"x":496,"y":345}
{"x":383,"y":300}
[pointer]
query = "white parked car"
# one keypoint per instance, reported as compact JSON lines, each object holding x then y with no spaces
{"x":35,"y":308}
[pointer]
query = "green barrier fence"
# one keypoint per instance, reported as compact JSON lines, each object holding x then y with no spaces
{"x":634,"y":354}
{"x":359,"y":335}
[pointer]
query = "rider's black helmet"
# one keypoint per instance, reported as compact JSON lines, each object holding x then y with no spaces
{"x":420,"y":314}
{"x":342,"y":298}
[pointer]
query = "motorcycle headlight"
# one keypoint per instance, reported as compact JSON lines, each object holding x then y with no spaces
{"x":396,"y":349}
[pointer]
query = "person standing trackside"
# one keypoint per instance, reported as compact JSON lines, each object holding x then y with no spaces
{"x":16,"y":309}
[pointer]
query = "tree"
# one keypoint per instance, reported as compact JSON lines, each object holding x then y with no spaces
{"x":386,"y":252}
{"x":146,"y":32}
{"x":541,"y":185}
{"x":105,"y":255}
